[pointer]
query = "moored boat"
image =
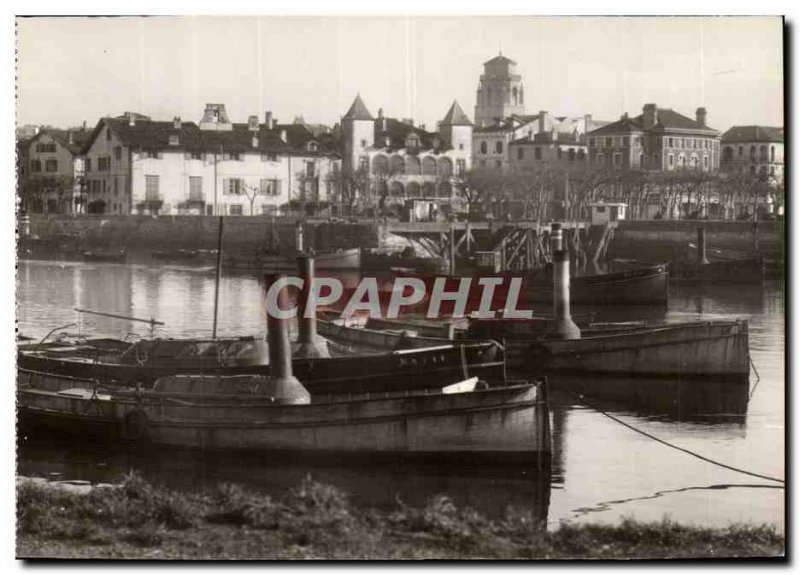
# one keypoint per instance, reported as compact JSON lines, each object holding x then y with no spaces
{"x":269,"y":262}
{"x":507,"y":424}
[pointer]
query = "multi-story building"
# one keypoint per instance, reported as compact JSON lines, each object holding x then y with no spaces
{"x":54,"y":177}
{"x":658,"y":139}
{"x":135,"y":165}
{"x":401,"y":160}
{"x":754,"y":150}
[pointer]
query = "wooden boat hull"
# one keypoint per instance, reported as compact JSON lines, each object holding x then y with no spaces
{"x":509,"y":422}
{"x":718,"y":349}
{"x":344,"y":260}
{"x":401,"y":370}
{"x":728,"y":272}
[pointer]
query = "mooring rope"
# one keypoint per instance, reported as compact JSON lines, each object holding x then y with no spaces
{"x":673,"y":446}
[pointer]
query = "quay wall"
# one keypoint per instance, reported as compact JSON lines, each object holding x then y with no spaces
{"x":241,"y":234}
{"x":668,"y":240}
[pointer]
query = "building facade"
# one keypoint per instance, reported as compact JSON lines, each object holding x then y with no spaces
{"x":659,"y":139}
{"x":754,"y":150}
{"x":55,"y":172}
{"x":402,"y":161}
{"x":500,"y":92}
{"x":135,"y":165}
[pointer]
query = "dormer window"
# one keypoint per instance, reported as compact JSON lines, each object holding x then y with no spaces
{"x":412,"y":141}
{"x":312,"y":146}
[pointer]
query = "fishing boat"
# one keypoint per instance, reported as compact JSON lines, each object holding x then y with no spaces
{"x":271,"y":262}
{"x":120,"y":362}
{"x":120,"y":256}
{"x":718,"y":348}
{"x":507,"y":424}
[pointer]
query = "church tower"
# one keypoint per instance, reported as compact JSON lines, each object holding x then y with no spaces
{"x":500,"y":92}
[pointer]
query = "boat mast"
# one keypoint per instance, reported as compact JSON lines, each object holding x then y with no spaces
{"x":216,"y":283}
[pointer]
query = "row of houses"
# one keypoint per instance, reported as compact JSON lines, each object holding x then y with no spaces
{"x":132,"y":164}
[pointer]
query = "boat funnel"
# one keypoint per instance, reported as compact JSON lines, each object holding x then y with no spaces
{"x":285,"y":387}
{"x":310,"y":345}
{"x":556,"y":237}
{"x":702,"y":257}
{"x":298,"y":236}
{"x":563,"y":326}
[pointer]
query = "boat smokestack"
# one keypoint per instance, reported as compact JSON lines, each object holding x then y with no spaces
{"x":298,"y":236}
{"x":556,"y":237}
{"x":310,"y":345}
{"x":702,"y":257}
{"x":285,"y":387}
{"x":563,"y":326}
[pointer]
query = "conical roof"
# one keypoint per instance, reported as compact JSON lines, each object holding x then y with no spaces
{"x":455,"y":116}
{"x":358,"y":111}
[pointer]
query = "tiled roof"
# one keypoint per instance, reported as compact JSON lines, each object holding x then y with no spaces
{"x":623,"y":125}
{"x":566,"y":138}
{"x":668,"y":118}
{"x":456,"y":117}
{"x":397,"y":131}
{"x":498,"y":59}
{"x":79,"y":138}
{"x":358,"y":111}
{"x":155,"y":135}
{"x":753,"y":134}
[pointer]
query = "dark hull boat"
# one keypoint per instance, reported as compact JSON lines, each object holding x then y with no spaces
{"x":105,"y":257}
{"x":114,"y":361}
{"x":264,"y":262}
{"x":506,"y":424}
{"x":729,"y":272}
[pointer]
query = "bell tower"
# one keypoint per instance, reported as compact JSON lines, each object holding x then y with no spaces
{"x":500,"y":92}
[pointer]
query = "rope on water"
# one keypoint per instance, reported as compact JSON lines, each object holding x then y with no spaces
{"x":758,"y":378}
{"x":668,"y":444}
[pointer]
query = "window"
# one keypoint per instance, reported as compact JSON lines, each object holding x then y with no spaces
{"x":537,"y":153}
{"x":152,"y":154}
{"x":232,"y":187}
{"x":617,"y":160}
{"x":269,"y":157}
{"x":484,"y":148}
{"x":46,"y":148}
{"x":752,"y":153}
{"x":363,"y":143}
{"x":772,"y":153}
{"x":461,"y":167}
{"x":680,"y":160}
{"x":609,"y":142}
{"x":310,"y":168}
{"x":772,"y":170}
{"x":741,"y":150}
{"x":520,"y":153}
{"x":88,"y":164}
{"x":669,"y":142}
{"x":461,"y":146}
{"x":51,"y":166}
{"x":269,"y":187}
{"x":656,"y":161}
{"x":312,"y":146}
{"x":235,"y":210}
{"x":151,"y":188}
{"x":670,"y":161}
{"x":236,"y":157}
{"x":498,"y":147}
{"x":600,"y":159}
{"x":116,"y":185}
{"x":600,"y":209}
{"x":118,"y":152}
{"x":108,"y":134}
{"x":196,"y":188}
{"x":559,"y":152}
{"x":103,"y":164}
{"x":36,"y":165}
{"x":705,"y":163}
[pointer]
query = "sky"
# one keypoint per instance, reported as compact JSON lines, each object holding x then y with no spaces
{"x":72,"y":70}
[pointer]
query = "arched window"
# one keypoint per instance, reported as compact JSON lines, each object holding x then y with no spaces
{"x":380,"y":165}
{"x":396,"y":190}
{"x":414,"y":190}
{"x":397,"y":166}
{"x":445,"y":167}
{"x":762,"y":153}
{"x":428,"y":166}
{"x":752,"y":153}
{"x":514,"y":96}
{"x":484,"y":148}
{"x":772,"y":153}
{"x":741,"y":151}
{"x":413,"y":166}
{"x":445,"y":189}
{"x":428,"y":189}
{"x":498,"y":147}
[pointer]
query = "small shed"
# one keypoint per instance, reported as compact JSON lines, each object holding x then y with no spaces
{"x":421,"y":210}
{"x":602,"y":212}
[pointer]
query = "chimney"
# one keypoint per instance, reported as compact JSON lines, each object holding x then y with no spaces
{"x":131,"y":118}
{"x":71,"y":137}
{"x":650,"y":116}
{"x":255,"y":141}
{"x":700,"y":115}
{"x":176,"y":122}
{"x":624,"y":116}
{"x":83,"y":128}
{"x":274,"y":123}
{"x":283,"y":135}
{"x":268,"y":119}
{"x":542,"y":120}
{"x":380,"y":113}
{"x":252,"y":123}
{"x":587,"y":123}
{"x":422,"y":127}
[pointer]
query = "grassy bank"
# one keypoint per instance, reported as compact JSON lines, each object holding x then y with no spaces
{"x":138,"y":520}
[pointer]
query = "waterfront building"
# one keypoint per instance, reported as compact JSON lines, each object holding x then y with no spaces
{"x":754,"y":150}
{"x":401,"y":160}
{"x":136,"y":165}
{"x":54,"y":176}
{"x":658,"y":139}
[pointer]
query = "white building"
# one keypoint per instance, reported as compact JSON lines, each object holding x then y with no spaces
{"x":135,"y":165}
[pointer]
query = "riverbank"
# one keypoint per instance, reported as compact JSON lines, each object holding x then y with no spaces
{"x":137,"y":520}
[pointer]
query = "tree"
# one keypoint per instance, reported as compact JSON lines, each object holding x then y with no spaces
{"x":251,"y":193}
{"x":479,"y":186}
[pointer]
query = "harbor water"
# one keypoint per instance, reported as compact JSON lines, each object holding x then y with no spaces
{"x":602,"y":470}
